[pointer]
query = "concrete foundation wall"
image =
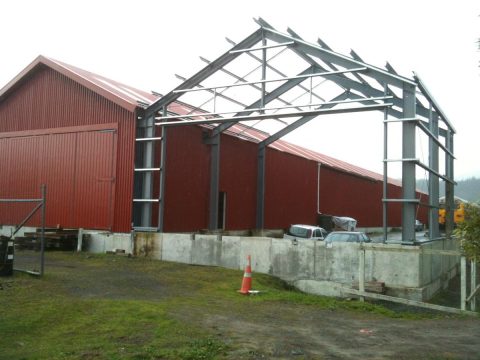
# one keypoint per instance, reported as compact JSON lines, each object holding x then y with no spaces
{"x":310,"y":265}
{"x":407,"y":271}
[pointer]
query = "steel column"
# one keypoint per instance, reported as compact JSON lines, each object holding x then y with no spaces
{"x":214,"y":142}
{"x":163,"y":163}
{"x":264,"y":69}
{"x":408,"y":167}
{"x":147,"y":179}
{"x":385,"y":171}
{"x":261,"y":186}
{"x":433,"y":180}
{"x":449,"y":187}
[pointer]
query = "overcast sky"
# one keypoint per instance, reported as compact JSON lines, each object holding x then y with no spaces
{"x":144,"y":43}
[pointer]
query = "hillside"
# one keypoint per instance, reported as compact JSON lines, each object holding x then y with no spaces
{"x":468,"y":189}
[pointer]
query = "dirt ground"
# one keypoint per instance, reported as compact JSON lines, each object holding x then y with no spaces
{"x":282,"y":330}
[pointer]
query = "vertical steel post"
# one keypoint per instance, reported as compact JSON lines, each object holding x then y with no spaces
{"x":385,"y":170}
{"x":473,"y":283}
{"x":147,"y":183}
{"x":408,"y":167}
{"x":433,"y":180}
{"x":42,"y":233}
{"x":163,"y":163}
{"x":261,"y":187}
{"x":214,"y":181}
{"x":449,"y":187}
{"x":463,"y":283}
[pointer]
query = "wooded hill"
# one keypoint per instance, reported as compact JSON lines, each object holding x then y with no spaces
{"x":468,"y":189}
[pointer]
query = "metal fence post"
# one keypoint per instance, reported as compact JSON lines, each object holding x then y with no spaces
{"x":463,"y":283}
{"x":42,"y":237}
{"x":361,"y":271}
{"x":473,"y":283}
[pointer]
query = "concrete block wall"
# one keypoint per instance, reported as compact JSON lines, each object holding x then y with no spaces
{"x":309,"y":265}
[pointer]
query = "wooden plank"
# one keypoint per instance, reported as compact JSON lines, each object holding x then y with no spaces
{"x":410,"y":302}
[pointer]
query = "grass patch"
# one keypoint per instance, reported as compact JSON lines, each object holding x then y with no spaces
{"x":112,"y":307}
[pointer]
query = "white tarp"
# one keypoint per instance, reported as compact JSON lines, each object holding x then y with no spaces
{"x":345,"y":223}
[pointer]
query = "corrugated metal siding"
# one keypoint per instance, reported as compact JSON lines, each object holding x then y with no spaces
{"x":187,"y":180}
{"x":78,"y":170}
{"x":50,"y":100}
{"x":346,"y":195}
{"x":238,"y":178}
{"x":58,"y":172}
{"x":94,"y":185}
{"x":290,"y":190}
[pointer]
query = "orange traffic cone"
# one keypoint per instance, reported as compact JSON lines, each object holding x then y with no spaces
{"x":247,"y":278}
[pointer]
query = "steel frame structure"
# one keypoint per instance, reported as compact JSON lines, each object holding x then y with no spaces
{"x":369,"y":86}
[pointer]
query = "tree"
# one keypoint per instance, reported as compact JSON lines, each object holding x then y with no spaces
{"x":469,"y":231}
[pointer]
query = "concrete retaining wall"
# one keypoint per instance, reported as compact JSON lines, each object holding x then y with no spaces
{"x":309,"y":265}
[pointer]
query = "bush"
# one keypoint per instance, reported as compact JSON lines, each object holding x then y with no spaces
{"x":469,"y":231}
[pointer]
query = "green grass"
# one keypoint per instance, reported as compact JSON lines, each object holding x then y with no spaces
{"x":48,"y":318}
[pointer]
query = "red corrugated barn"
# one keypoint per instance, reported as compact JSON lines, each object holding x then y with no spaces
{"x":75,"y":131}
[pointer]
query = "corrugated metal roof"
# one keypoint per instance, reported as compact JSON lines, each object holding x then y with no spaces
{"x":121,"y":94}
{"x":131,"y":98}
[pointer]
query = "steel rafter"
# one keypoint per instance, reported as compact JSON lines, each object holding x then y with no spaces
{"x":203,"y":74}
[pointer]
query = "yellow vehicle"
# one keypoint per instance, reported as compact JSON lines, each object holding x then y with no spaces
{"x":458,"y":214}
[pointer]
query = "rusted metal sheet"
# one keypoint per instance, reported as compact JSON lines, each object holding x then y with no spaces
{"x":51,"y":101}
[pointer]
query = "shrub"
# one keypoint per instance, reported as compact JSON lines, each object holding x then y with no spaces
{"x":469,"y":231}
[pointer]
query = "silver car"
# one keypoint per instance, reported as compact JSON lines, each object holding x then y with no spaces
{"x":347,"y":236}
{"x":305,"y":232}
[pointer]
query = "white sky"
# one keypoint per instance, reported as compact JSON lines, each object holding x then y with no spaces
{"x":144,"y":43}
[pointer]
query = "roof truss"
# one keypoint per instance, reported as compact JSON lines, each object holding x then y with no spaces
{"x":290,"y":98}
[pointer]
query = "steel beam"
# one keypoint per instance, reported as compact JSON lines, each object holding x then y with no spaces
{"x":265,"y":81}
{"x":449,"y":188}
{"x":302,"y":121}
{"x":269,"y":116}
{"x":196,"y":79}
{"x":359,"y":99}
{"x":408,"y":167}
{"x":242,"y":79}
{"x":335,"y":58}
{"x":163,"y":165}
{"x":147,"y":177}
{"x":433,"y":181}
{"x":260,"y":221}
{"x":276,"y":70}
{"x":423,"y":88}
{"x":349,"y":84}
{"x":268,"y":98}
{"x":263,"y":47}
{"x":214,"y":142}
{"x":385,"y":170}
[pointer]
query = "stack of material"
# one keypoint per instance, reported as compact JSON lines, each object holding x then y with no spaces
{"x":55,"y":239}
{"x":372,"y":286}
